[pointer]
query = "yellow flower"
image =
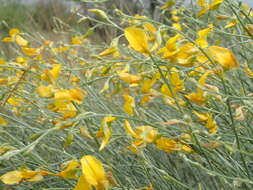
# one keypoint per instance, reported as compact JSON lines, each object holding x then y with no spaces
{"x":7,"y":39}
{"x":51,"y":75}
{"x":176,"y":81}
{"x":250,"y":29}
{"x":143,"y":134}
{"x":151,"y":31}
{"x":202,"y":117}
{"x":221,"y":17}
{"x":15,"y":101}
{"x":197,"y":97}
{"x":77,"y":40}
{"x":99,"y":12}
{"x":30,"y":51}
{"x":147,"y":84}
{"x":94,"y":173}
{"x":60,"y":49}
{"x":33,"y":176}
{"x":137,"y":39}
{"x":2,"y":61}
{"x":248,"y":71}
{"x":168,"y":4}
{"x":211,"y":125}
{"x":202,"y":3}
{"x":105,"y":131}
{"x":129,"y":104}
{"x":15,"y":177}
{"x":167,"y":145}
{"x":70,"y":171}
{"x":165,"y":90}
{"x":14,"y":31}
{"x":82,"y":184}
{"x":108,"y":51}
{"x":74,"y":94}
{"x":3,"y":81}
{"x":202,"y":37}
{"x":66,"y":108}
{"x":3,"y":122}
{"x":214,"y":5}
{"x":129,"y":78}
{"x":170,"y":49}
{"x":45,"y":91}
{"x":21,"y":41}
{"x":146,"y":133}
{"x":223,"y":56}
{"x":177,"y":26}
{"x":14,"y":36}
{"x":231,"y":24}
{"x":208,"y":119}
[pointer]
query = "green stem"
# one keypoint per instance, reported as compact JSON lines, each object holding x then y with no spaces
{"x":167,"y":84}
{"x":234,"y":129}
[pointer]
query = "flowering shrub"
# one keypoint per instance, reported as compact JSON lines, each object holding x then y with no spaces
{"x":164,"y":105}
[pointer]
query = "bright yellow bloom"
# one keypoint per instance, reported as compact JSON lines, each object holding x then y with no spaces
{"x":137,"y":39}
{"x":129,"y":78}
{"x":151,"y":31}
{"x":67,"y":109}
{"x":21,"y":41}
{"x":214,"y":5}
{"x":250,"y":29}
{"x":199,"y":96}
{"x":223,"y":56}
{"x":63,"y":101}
{"x":15,"y":177}
{"x":73,"y":94}
{"x":77,"y":40}
{"x":129,"y":104}
{"x":168,"y":4}
{"x":108,"y":51}
{"x":175,"y":80}
{"x":105,"y":131}
{"x":51,"y":75}
{"x":60,"y":49}
{"x":211,"y":125}
{"x":82,"y":184}
{"x":3,"y":122}
{"x":15,"y":101}
{"x":14,"y":36}
{"x":143,"y":134}
{"x":248,"y":71}
{"x":99,"y":12}
{"x":45,"y":91}
{"x":170,"y":48}
{"x":202,"y":117}
{"x":30,"y":51}
{"x":208,"y":119}
{"x":168,"y":145}
{"x":202,"y":37}
{"x":231,"y":24}
{"x":70,"y":171}
{"x":94,"y":173}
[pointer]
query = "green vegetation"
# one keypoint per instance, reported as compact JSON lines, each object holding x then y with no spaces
{"x":104,"y":99}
